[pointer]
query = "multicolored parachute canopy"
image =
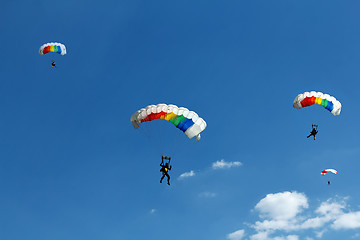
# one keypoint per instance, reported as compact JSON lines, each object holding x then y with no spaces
{"x":328,"y":170}
{"x":187,"y":121}
{"x":52,"y":47}
{"x":310,"y":98}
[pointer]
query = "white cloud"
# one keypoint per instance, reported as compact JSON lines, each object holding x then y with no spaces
{"x":289,"y":237}
{"x":236,"y":235}
{"x":272,"y":225}
{"x":187,"y":174}
{"x":288,"y":212}
{"x":265,"y":236}
{"x":315,"y":222}
{"x":320,"y":233}
{"x":347,"y":221}
{"x":152,"y":210}
{"x":260,"y":236}
{"x":292,"y":237}
{"x":207,"y":194}
{"x":330,"y":207}
{"x":222,"y":164}
{"x":282,"y":206}
{"x":328,"y":211}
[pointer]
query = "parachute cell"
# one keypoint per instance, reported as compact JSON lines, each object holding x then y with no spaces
{"x":310,"y":98}
{"x":52,"y":47}
{"x":328,"y":170}
{"x":184,"y":119}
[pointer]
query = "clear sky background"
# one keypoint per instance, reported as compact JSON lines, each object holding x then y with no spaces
{"x":72,"y":166}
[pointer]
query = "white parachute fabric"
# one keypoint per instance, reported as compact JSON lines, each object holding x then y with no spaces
{"x":328,"y":170}
{"x":309,"y":98}
{"x":184,"y":119}
{"x":52,"y":47}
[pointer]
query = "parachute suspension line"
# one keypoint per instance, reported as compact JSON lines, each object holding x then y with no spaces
{"x":169,"y":139}
{"x":328,"y":170}
{"x":151,"y":138}
{"x":158,"y":138}
{"x":185,"y":120}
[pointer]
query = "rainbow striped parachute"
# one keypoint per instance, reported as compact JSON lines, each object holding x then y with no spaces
{"x":328,"y":170}
{"x":187,"y":121}
{"x":309,"y":98}
{"x":52,"y":47}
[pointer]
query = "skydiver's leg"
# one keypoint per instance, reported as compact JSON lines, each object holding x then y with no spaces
{"x":168,"y":178}
{"x":162,"y":177}
{"x":309,"y":136}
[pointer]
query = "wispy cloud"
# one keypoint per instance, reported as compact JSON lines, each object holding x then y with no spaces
{"x":207,"y":194}
{"x":349,"y":220}
{"x":152,"y":211}
{"x":238,"y":235}
{"x":357,"y":236}
{"x":287,"y":212}
{"x":222,"y":164}
{"x":187,"y":175}
{"x":265,"y":236}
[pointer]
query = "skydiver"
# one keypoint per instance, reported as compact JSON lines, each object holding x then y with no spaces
{"x":165,"y":168}
{"x":53,"y":63}
{"x":314,"y":131}
{"x":328,"y":182}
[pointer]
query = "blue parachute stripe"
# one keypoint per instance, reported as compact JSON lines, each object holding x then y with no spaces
{"x":181,"y":124}
{"x":330,"y":106}
{"x":186,"y":124}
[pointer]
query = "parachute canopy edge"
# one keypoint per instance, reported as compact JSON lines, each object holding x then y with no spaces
{"x":52,"y":47}
{"x":310,"y":98}
{"x":328,"y":170}
{"x":184,"y":119}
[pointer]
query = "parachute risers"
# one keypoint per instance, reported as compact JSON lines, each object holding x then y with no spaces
{"x":310,"y":98}
{"x":187,"y":121}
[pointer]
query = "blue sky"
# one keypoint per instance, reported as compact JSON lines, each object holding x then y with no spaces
{"x":73,"y":167}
